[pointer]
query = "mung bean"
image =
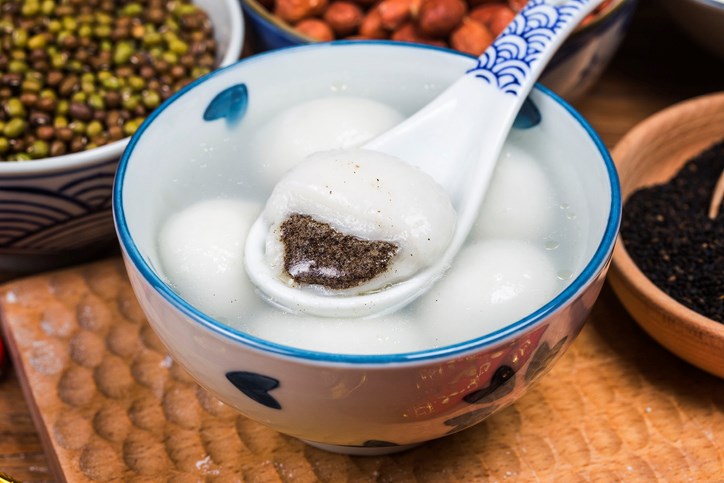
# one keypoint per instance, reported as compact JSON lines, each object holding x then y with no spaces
{"x":76,"y":74}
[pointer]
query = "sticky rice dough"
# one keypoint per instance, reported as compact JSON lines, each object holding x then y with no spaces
{"x":491,"y":284}
{"x":381,"y":335}
{"x":365,"y":195}
{"x":520,"y":203}
{"x":334,"y":122}
{"x":201,"y":249}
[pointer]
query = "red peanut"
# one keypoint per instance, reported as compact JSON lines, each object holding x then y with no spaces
{"x":467,"y":25}
{"x":409,"y":32}
{"x":293,"y":11}
{"x":471,"y":37}
{"x":393,"y":13}
{"x":437,"y":18}
{"x":371,"y":27}
{"x":494,"y":16}
{"x":517,"y":5}
{"x":343,"y":17}
{"x":316,"y":29}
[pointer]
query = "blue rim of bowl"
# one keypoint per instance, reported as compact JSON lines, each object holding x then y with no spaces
{"x":601,"y":256}
{"x":254,"y":8}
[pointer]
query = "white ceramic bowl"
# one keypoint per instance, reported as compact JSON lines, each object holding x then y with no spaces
{"x":703,"y":20}
{"x":363,"y":403}
{"x":57,"y":211}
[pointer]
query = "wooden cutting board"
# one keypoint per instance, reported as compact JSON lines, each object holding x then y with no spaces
{"x":110,"y":404}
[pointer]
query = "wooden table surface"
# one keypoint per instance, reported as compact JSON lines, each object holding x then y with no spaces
{"x":656,"y":66}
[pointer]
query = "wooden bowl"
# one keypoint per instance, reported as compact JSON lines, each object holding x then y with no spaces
{"x":652,"y":153}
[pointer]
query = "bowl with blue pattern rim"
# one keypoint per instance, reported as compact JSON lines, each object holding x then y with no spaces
{"x":575,"y":68}
{"x":56,"y":211}
{"x":341,"y":399}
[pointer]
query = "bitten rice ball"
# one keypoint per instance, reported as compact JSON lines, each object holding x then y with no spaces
{"x":375,"y":198}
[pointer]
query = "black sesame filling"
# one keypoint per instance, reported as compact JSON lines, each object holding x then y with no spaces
{"x":315,"y":253}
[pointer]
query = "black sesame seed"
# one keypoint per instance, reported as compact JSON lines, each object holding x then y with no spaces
{"x":331,"y":258}
{"x":669,"y":235}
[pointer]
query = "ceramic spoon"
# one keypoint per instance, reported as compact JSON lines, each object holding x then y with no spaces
{"x":465,"y":127}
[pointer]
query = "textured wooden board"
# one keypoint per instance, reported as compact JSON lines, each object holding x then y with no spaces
{"x":110,"y":404}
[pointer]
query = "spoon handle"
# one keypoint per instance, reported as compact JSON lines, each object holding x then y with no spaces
{"x":509,"y":69}
{"x":470,"y":120}
{"x":517,"y":57}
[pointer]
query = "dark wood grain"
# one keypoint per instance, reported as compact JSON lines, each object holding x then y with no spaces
{"x":656,"y":66}
{"x":21,"y":453}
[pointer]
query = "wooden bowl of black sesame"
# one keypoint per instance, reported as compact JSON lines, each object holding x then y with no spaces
{"x":77,"y":78}
{"x":667,"y":267}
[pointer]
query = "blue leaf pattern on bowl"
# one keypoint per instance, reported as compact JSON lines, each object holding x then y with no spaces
{"x":529,"y":116}
{"x":497,"y":388}
{"x":509,"y":60}
{"x":469,"y":419}
{"x":229,"y":104}
{"x":542,"y":359}
{"x":256,"y":386}
{"x":501,"y":384}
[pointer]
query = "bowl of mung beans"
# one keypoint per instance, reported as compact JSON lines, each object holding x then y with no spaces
{"x":77,"y":78}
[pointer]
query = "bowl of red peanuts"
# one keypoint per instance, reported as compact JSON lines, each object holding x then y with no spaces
{"x":77,"y":79}
{"x":467,"y":26}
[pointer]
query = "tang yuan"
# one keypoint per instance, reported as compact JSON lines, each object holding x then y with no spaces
{"x":335,"y":122}
{"x":521,"y":203}
{"x":353,"y":221}
{"x":492,"y":283}
{"x":201,"y":250}
{"x":347,"y":221}
{"x":394,"y":333}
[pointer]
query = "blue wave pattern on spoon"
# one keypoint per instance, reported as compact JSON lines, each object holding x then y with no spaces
{"x":514,"y":53}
